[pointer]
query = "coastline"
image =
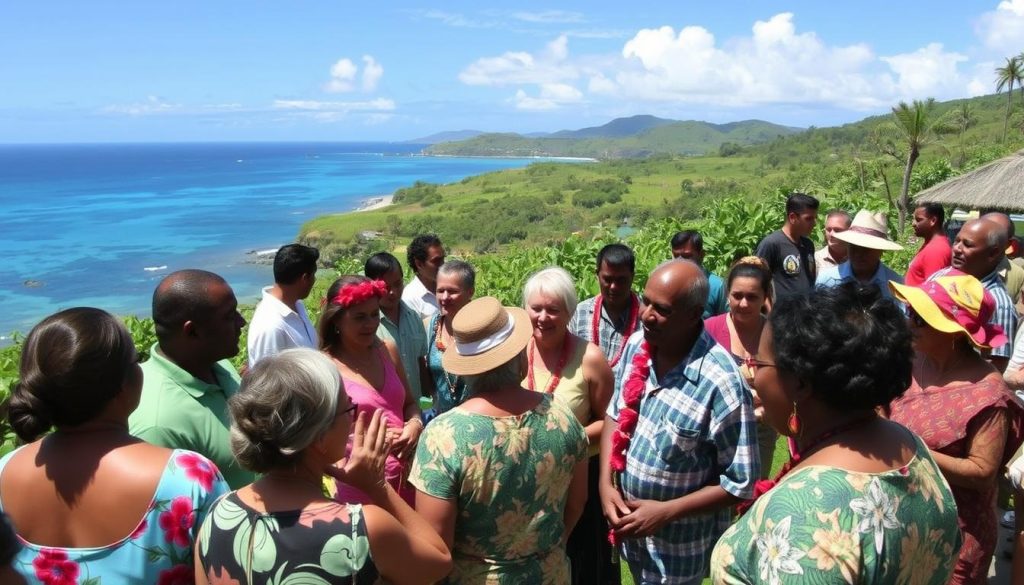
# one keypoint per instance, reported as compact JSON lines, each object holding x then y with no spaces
{"x":371,"y":203}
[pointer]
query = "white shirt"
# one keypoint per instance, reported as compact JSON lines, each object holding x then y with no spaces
{"x":420,"y":299}
{"x":275,"y":327}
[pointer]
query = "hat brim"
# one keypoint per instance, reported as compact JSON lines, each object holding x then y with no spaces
{"x":469,"y":365}
{"x":924,"y":306}
{"x":867,"y":241}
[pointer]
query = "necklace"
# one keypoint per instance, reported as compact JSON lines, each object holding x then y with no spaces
{"x":556,"y":375}
{"x":763,"y":486}
{"x":595,"y":325}
{"x":454,"y":392}
{"x":437,"y":334}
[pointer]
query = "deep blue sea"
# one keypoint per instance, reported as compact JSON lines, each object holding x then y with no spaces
{"x":100,"y":225}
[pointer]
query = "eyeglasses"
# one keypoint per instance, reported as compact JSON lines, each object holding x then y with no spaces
{"x":754,"y":363}
{"x":350,"y":410}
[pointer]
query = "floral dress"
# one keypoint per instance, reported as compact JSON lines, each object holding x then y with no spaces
{"x":450,"y":389}
{"x":158,"y":551}
{"x":324,"y":544}
{"x":510,"y":478}
{"x":828,"y":525}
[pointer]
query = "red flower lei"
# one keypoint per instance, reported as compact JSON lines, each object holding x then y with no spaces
{"x":556,"y":376}
{"x":595,"y":325}
{"x":632,"y":392}
{"x":353,"y":294}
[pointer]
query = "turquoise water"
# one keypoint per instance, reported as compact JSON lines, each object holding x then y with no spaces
{"x":100,"y":225}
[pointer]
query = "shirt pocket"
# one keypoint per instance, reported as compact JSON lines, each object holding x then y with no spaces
{"x":676,"y":444}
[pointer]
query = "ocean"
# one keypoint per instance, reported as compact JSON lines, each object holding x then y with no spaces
{"x":100,"y":224}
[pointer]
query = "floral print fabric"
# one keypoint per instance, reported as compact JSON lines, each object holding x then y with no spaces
{"x":324,"y":544}
{"x":510,"y":478}
{"x":828,"y":525}
{"x":158,"y":551}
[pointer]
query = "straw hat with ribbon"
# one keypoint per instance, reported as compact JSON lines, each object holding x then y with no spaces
{"x":868,"y":230}
{"x":487,"y":335}
{"x":953,"y":303}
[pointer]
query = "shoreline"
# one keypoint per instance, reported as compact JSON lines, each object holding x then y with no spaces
{"x":372,"y":203}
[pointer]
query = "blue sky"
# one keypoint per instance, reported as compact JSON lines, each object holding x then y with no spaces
{"x":104,"y":71}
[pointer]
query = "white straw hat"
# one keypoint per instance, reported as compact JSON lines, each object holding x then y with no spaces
{"x":868,"y":230}
{"x":487,"y":335}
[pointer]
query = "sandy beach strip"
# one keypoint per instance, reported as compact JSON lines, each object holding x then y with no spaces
{"x":372,"y":203}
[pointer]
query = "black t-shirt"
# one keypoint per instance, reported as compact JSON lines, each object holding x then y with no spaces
{"x":792,"y":265}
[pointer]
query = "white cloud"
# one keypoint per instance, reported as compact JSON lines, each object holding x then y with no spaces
{"x":152,"y":106}
{"x":552,"y":96}
{"x":344,"y":75}
{"x":522,"y":68}
{"x":456,"y":19}
{"x":927,"y":71}
{"x":375,"y":105}
{"x":549,"y":17}
{"x":1003,"y":28}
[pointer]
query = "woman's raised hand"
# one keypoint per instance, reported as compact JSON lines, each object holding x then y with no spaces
{"x":363,"y":469}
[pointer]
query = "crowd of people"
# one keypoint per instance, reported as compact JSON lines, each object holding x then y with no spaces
{"x":564,"y":437}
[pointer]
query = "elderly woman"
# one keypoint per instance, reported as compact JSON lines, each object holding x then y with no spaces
{"x":89,"y":499}
{"x":960,"y":406}
{"x":455,"y":283}
{"x":290,"y":422}
{"x":372,"y":372}
{"x":576,"y":372}
{"x":861,"y":501}
{"x":748,"y":289}
{"x":502,"y":476}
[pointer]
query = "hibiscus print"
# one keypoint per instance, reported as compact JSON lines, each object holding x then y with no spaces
{"x":177,"y":521}
{"x":52,"y":567}
{"x":177,"y":575}
{"x":877,"y":511}
{"x":197,"y":468}
{"x":776,"y":554}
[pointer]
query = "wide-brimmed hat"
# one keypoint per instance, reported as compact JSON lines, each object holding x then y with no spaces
{"x":486,"y":336}
{"x":868,"y":230}
{"x":955,"y":302}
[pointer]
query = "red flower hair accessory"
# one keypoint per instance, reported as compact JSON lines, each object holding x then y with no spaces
{"x":353,"y":294}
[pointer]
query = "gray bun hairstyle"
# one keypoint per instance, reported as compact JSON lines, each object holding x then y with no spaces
{"x":286,"y":402}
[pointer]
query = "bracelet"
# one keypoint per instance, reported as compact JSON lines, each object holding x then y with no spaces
{"x":414,"y":419}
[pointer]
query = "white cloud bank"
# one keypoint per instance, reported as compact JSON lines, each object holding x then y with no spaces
{"x":345,"y":73}
{"x":1003,"y":28}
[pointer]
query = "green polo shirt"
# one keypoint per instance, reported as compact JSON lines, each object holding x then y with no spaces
{"x":411,"y":338}
{"x":180,"y":411}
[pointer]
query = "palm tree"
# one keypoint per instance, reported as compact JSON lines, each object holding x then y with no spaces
{"x":912,"y":127}
{"x":963,"y":118}
{"x":1006,"y":76}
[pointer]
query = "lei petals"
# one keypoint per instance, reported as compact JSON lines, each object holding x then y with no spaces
{"x":627,"y":421}
{"x":353,"y":294}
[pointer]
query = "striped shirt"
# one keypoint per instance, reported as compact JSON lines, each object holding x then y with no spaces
{"x":1005,"y":314}
{"x":696,"y":428}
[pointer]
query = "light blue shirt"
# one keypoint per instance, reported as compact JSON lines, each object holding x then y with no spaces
{"x":844,"y":273}
{"x":716,"y":304}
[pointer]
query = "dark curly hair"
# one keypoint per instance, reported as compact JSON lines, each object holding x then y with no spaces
{"x":850,"y":344}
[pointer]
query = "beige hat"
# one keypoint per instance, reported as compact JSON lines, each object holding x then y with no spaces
{"x":487,"y":335}
{"x":868,"y":230}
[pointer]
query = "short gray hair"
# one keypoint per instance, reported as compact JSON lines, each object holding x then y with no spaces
{"x":554,"y":281}
{"x":459,"y":269}
{"x":508,"y":374}
{"x":285,"y":402}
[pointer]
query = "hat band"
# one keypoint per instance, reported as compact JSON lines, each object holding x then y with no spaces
{"x":486,"y":343}
{"x":868,"y":231}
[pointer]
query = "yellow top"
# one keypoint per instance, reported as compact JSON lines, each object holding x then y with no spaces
{"x":572,"y":390}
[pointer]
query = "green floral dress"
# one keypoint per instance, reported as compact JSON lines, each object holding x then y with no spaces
{"x":826,"y":525}
{"x":510,"y":479}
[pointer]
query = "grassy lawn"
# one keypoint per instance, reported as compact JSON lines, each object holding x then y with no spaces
{"x":778,"y":460}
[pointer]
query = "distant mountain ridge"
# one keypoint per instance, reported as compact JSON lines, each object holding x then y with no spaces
{"x":449,"y":136}
{"x":634,"y":136}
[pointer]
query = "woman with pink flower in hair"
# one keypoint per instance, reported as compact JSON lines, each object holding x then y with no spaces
{"x":90,"y":502}
{"x":372,"y":372}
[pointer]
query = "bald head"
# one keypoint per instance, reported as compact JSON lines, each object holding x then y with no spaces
{"x":684,"y":280}
{"x":185,"y":295}
{"x":1003,"y":220}
{"x":674,"y":298}
{"x":979,"y":247}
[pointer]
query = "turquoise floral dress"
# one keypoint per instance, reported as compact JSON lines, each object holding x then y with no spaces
{"x":159,"y":549}
{"x":510,"y":479}
{"x":325,"y":544}
{"x":826,"y":525}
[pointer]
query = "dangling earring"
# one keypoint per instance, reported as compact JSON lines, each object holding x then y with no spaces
{"x":793,"y":424}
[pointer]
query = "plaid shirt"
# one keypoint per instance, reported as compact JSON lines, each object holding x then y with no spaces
{"x":1005,"y":314}
{"x":696,"y":428}
{"x":609,"y":333}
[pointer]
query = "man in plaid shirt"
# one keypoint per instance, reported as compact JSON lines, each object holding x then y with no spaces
{"x":693,"y":452}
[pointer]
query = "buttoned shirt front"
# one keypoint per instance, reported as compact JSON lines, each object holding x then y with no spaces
{"x":180,"y":411}
{"x":844,"y":273}
{"x":696,"y":428}
{"x":410,"y":336}
{"x":610,"y":333}
{"x":420,"y":299}
{"x":276,"y":327}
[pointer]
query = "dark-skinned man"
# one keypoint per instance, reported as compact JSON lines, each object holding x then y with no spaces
{"x":667,"y":483}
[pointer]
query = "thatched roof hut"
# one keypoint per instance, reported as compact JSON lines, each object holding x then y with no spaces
{"x":999,"y":185}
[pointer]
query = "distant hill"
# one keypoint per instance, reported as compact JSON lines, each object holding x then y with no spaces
{"x":632,"y":137}
{"x":449,"y":136}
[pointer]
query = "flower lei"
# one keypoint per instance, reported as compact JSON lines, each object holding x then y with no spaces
{"x":632,"y":393}
{"x":556,"y":376}
{"x":595,"y":325}
{"x":454,"y":394}
{"x":353,"y":294}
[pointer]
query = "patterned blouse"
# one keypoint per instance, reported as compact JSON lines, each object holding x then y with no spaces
{"x":510,"y":479}
{"x":159,"y":549}
{"x":450,"y":389}
{"x":827,"y":525}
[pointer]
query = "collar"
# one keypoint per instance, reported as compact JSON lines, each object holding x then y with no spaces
{"x":405,"y":312}
{"x":846,"y":271}
{"x":275,"y":303}
{"x":161,"y":365}
{"x":684,"y":370}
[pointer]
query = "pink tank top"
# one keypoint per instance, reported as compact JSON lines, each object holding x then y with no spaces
{"x":391,"y":401}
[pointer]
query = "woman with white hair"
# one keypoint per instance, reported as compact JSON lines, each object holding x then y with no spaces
{"x":576,"y":372}
{"x":290,"y":422}
{"x":503,"y":475}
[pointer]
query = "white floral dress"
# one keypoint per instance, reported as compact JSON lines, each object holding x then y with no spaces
{"x":827,"y":525}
